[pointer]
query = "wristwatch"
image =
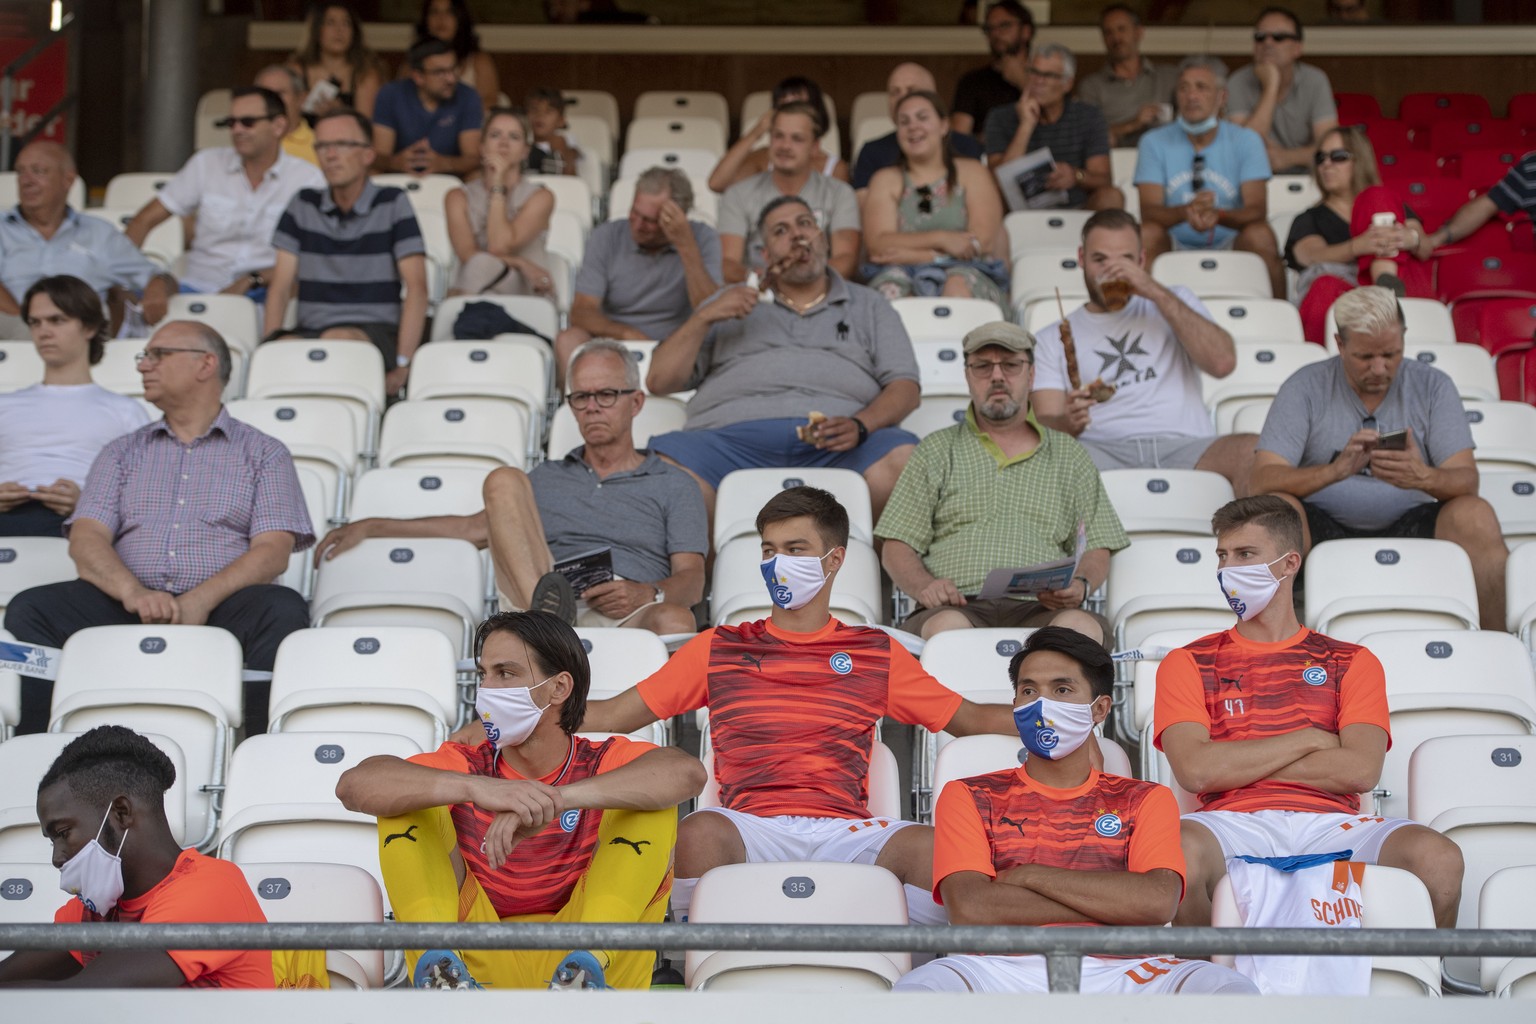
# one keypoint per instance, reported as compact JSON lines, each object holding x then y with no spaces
{"x":257,"y":281}
{"x":1087,"y":587}
{"x":402,"y":361}
{"x":863,"y":430}
{"x":661,"y":595}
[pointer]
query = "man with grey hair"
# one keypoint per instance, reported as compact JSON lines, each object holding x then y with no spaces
{"x":185,"y":521}
{"x":603,"y":496}
{"x":1046,"y":118}
{"x":640,"y":280}
{"x":1368,"y":444}
{"x":289,"y":85}
{"x":1201,"y":179}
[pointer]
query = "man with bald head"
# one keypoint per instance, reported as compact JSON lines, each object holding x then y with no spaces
{"x":299,"y":141}
{"x":884,"y":151}
{"x":43,"y":237}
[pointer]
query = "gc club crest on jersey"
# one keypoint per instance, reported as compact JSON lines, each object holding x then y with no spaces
{"x":1108,"y":824}
{"x":841,"y":662}
{"x":569,"y":820}
{"x":1314,"y":676}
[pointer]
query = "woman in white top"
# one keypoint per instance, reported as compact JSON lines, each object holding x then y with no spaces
{"x":498,"y":222}
{"x":50,"y":433}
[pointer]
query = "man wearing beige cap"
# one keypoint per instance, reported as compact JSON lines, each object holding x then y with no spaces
{"x":997,"y":492}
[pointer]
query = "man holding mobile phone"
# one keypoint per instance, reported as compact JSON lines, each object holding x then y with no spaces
{"x":1367,"y":444}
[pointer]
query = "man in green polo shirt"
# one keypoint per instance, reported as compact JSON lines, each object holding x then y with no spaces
{"x":997,"y":491}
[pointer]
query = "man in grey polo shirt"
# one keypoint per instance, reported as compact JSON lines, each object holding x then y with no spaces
{"x":1130,"y":91}
{"x":815,"y":346}
{"x":640,"y":279}
{"x":1367,"y":444}
{"x":1284,"y":100}
{"x":605,"y":494}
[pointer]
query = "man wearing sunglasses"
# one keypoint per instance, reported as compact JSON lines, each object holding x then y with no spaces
{"x":1287,"y":102}
{"x":236,"y":192}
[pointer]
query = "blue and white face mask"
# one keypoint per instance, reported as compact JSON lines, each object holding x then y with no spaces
{"x":793,"y":580}
{"x":1052,"y":729}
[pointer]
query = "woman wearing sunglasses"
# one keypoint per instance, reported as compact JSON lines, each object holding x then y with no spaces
{"x":1346,"y":240}
{"x":934,"y":221}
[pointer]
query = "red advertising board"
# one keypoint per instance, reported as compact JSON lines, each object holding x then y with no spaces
{"x":38,"y":86}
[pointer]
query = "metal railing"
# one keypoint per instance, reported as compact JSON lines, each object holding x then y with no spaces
{"x":1063,"y":948}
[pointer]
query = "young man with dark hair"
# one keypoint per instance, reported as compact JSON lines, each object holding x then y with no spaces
{"x":102,"y":805}
{"x":1010,"y":29}
{"x":793,"y":703}
{"x":1057,"y":842}
{"x":533,"y":824}
{"x":430,"y":122}
{"x":1279,"y":729}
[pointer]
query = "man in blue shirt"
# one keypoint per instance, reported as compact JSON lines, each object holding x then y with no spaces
{"x":430,"y":122}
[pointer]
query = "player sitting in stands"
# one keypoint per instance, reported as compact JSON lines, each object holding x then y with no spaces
{"x":102,"y":806}
{"x":1279,"y":729}
{"x":1057,"y":842}
{"x":533,"y":824}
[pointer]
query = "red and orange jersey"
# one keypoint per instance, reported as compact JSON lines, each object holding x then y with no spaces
{"x":1239,"y":689}
{"x":792,"y":715}
{"x":545,"y":869}
{"x":991,"y":823}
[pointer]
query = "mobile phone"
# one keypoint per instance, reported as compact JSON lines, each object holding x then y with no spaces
{"x":1383,"y":220}
{"x":1395,"y":441}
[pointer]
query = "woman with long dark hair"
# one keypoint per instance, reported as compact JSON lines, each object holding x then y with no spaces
{"x":333,"y":51}
{"x":450,"y":21}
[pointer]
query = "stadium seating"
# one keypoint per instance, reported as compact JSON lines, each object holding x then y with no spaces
{"x":321,"y":435}
{"x":350,"y":372}
{"x":941,"y":368}
{"x":1506,"y":901}
{"x":10,"y":696}
{"x":796,"y":893}
{"x":1354,"y":107}
{"x":1407,"y":165}
{"x":1421,"y":109}
{"x":432,"y":581}
{"x":1168,"y":583}
{"x":27,"y":562}
{"x":675,"y":133}
{"x":1215,"y":275}
{"x":235,"y":317}
{"x":436,"y":433}
{"x":1505,"y":435}
{"x":1520,"y":593}
{"x":868,"y":129}
{"x":1357,"y":587}
{"x":1052,"y":231}
{"x":969,"y":756}
{"x":1513,"y":497}
{"x":1166,"y":502}
{"x":620,"y":658}
{"x":536,"y":311}
{"x":593,"y":103}
{"x":20,"y":365}
{"x":658,"y":416}
{"x":695,"y":163}
{"x":411,"y":492}
{"x":164,"y":244}
{"x":426,"y":192}
{"x":944,"y":319}
{"x":1268,"y":321}
{"x":1291,"y":193}
{"x":737,"y":593}
{"x":517,"y":367}
{"x":935,"y":412}
{"x":571,"y":196}
{"x":301,"y":891}
{"x":706,"y":204}
{"x":29,"y":893}
{"x":671,"y":104}
{"x":756,"y":104}
{"x":743,"y":492}
{"x":1426,"y":322}
{"x":1261,"y":369}
{"x":1143,"y":696}
{"x":118,"y":370}
{"x":211,"y":107}
{"x":1037,"y":276}
{"x":318,"y":502}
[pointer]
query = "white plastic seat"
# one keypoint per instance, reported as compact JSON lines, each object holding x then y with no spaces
{"x":1513,"y":497}
{"x":441,"y":259}
{"x":1261,"y":368}
{"x":536,"y":311}
{"x":1508,"y":900}
{"x":235,"y":317}
{"x":280,"y":803}
{"x":165,"y":243}
{"x":1269,"y":321}
{"x":133,"y":190}
{"x":1425,"y":322}
{"x":1143,"y":696}
{"x":936,"y":412}
{"x":1446,"y":683}
{"x":695,"y":163}
{"x":27,"y":562}
{"x":29,"y":893}
{"x":1038,"y":275}
{"x":426,"y":192}
{"x":867,"y":129}
{"x":1504,"y":434}
{"x":321,"y":435}
{"x":299,"y":575}
{"x":10,"y":694}
{"x":20,"y":365}
{"x":1044,"y":231}
{"x":968,"y":756}
{"x":675,"y":133}
{"x":1164,"y":502}
{"x":351,"y":372}
{"x":182,"y":682}
{"x":9,"y":195}
{"x":410,"y":492}
{"x":797,"y":893}
{"x":212,"y":106}
{"x":945,"y":319}
{"x":743,"y":492}
{"x":571,"y":196}
{"x":470,"y":433}
{"x":434,"y":582}
{"x":1291,"y":193}
{"x":1480,"y":793}
{"x":738,"y":595}
{"x":1215,"y":274}
{"x":592,"y":103}
{"x":1367,"y":585}
{"x":1470,"y":368}
{"x":302,"y":891}
{"x":517,"y":367}
{"x":567,"y":237}
{"x":1122,"y":168}
{"x":118,"y":370}
{"x":596,"y":142}
{"x":619,"y":658}
{"x":1250,"y":416}
{"x":941,"y":368}
{"x":1520,"y":592}
{"x":1165,"y":583}
{"x":867,"y":105}
{"x":399,"y":679}
{"x":706,"y":204}
{"x":1045,"y":312}
{"x":660,"y":415}
{"x":670,"y":104}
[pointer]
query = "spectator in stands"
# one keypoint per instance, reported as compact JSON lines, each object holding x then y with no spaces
{"x":1131,"y":92}
{"x":821,"y":348}
{"x":450,"y":22}
{"x":792,"y":172}
{"x":428,"y":123}
{"x":499,"y":222}
{"x":747,"y":158}
{"x":1279,"y":772}
{"x":604,"y":494}
{"x":288,"y":84}
{"x":345,"y":251}
{"x":1514,"y":193}
{"x":339,"y":69}
{"x":1151,"y":344}
{"x":1355,"y":12}
{"x":236,"y":193}
{"x":934,"y":222}
{"x":793,"y":703}
{"x":1045,"y":117}
{"x":640,"y":279}
{"x":997,"y":492}
{"x":1201,"y":179}
{"x":1010,"y":30}
{"x":102,"y":807}
{"x":532,"y":823}
{"x":187,"y":520}
{"x":1322,"y":451}
{"x":886,"y":151}
{"x":51,"y":432}
{"x":1335,"y":245}
{"x":553,"y":149}
{"x":1101,"y":849}
{"x":43,"y":237}
{"x":1287,"y":102}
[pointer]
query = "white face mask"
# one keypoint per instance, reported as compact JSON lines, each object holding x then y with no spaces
{"x":1248,"y":588}
{"x":94,"y":876}
{"x":508,"y":713}
{"x":793,"y":580}
{"x":1052,"y":729}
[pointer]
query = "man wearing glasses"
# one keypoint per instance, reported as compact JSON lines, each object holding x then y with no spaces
{"x":1287,"y":102}
{"x":236,"y":192}
{"x":428,"y":123}
{"x":604,"y":494}
{"x":1009,"y":29}
{"x":997,"y":492}
{"x":186,"y":521}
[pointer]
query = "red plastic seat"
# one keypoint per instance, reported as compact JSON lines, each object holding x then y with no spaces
{"x":1387,"y":135}
{"x":1482,"y":168}
{"x":1522,"y":109}
{"x":1425,"y":108}
{"x":1449,"y":139}
{"x":1472,"y":276}
{"x":1407,"y":165}
{"x":1434,"y":199}
{"x":1504,"y":323}
{"x":1355,"y":107}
